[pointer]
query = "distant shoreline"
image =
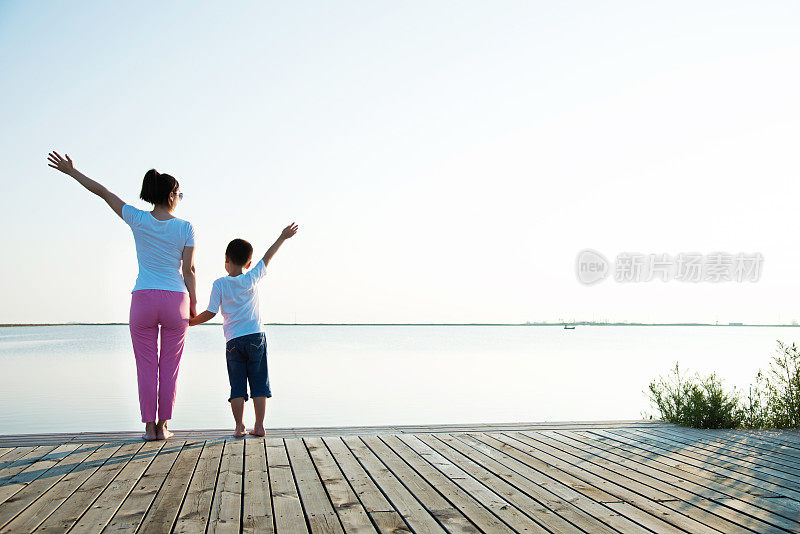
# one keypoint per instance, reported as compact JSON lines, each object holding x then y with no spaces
{"x":584,"y":323}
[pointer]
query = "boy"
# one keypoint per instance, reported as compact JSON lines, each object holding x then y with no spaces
{"x":246,"y":344}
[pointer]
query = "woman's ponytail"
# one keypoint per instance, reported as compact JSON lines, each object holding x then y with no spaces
{"x":157,"y":187}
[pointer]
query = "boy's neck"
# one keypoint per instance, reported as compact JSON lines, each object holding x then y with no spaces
{"x":236,"y":271}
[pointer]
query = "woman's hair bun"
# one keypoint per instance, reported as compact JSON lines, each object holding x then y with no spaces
{"x":156,"y":187}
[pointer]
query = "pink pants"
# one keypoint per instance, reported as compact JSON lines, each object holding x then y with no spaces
{"x":157,"y":373}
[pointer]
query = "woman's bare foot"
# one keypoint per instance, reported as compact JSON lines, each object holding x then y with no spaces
{"x":258,"y":431}
{"x":239,"y":432}
{"x":162,"y":432}
{"x":149,"y":432}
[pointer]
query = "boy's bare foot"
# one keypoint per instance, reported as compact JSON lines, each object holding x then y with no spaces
{"x":239,"y":432}
{"x":258,"y":431}
{"x":149,"y":432}
{"x":162,"y":432}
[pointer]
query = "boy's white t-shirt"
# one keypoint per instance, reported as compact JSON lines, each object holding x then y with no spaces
{"x":159,"y":249}
{"x":237,"y":297}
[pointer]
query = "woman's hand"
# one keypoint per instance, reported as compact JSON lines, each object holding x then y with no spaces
{"x":55,"y":161}
{"x":192,"y":310}
{"x":200,"y":319}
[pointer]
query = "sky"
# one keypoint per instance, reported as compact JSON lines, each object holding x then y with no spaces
{"x":446,"y":162}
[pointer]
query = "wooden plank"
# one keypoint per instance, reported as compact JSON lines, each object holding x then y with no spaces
{"x":538,"y":466}
{"x":438,"y":504}
{"x":747,"y":456}
{"x":316,"y":504}
{"x":287,"y":510}
{"x":18,"y":461}
{"x":29,"y":468}
{"x":97,"y":516}
{"x":741,"y":442}
{"x":15,"y":458}
{"x":750,"y":480}
{"x":130,"y":514}
{"x":723,"y":458}
{"x":77,"y":503}
{"x":48,"y":501}
{"x":559,"y":496}
{"x":642,"y":518}
{"x":226,"y":508}
{"x":589,"y":482}
{"x":675,"y":461}
{"x":641,"y":495}
{"x":780,"y":485}
{"x":163,"y":512}
{"x":257,"y":509}
{"x":754,"y":512}
{"x":40,"y":477}
{"x":380,"y":510}
{"x":193,"y":515}
{"x":769,"y":439}
{"x":693,"y":504}
{"x":9,"y":441}
{"x":573,"y":477}
{"x":788,"y":437}
{"x":720,"y":479}
{"x":737,"y":441}
{"x":478,"y":514}
{"x":351,"y":512}
{"x":501,"y":482}
{"x":403,"y":500}
{"x":414,"y":452}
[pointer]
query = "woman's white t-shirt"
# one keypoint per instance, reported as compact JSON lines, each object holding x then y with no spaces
{"x":159,"y":249}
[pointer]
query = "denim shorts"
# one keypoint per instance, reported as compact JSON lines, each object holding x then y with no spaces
{"x":247,"y":362}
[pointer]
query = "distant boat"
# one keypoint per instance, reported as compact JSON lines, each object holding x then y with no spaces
{"x":569,"y":327}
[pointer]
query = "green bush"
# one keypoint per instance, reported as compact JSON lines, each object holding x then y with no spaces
{"x":695,"y":401}
{"x":773,"y":401}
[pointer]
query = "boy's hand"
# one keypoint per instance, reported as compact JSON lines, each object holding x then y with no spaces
{"x":289,"y":231}
{"x":202,"y":317}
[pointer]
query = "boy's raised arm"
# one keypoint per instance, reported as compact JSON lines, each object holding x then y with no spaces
{"x":287,"y":232}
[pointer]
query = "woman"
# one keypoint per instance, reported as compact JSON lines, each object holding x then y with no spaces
{"x":161,"y":296}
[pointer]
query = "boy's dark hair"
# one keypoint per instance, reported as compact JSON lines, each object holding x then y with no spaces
{"x":239,"y":252}
{"x":157,"y":187}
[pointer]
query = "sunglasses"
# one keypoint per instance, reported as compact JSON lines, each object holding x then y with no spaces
{"x":180,"y":195}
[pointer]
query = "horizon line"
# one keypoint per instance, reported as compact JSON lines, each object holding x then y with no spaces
{"x":537,"y":323}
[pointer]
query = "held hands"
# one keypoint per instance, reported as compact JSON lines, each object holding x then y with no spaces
{"x":289,"y":231}
{"x":55,"y":161}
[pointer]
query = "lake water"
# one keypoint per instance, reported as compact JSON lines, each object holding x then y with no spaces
{"x":83,"y":378}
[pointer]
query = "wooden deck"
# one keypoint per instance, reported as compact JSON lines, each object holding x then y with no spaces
{"x":633,"y":476}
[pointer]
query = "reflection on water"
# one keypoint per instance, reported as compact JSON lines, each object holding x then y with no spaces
{"x":83,"y":378}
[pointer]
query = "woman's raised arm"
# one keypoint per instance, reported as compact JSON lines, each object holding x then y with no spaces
{"x":65,"y":165}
